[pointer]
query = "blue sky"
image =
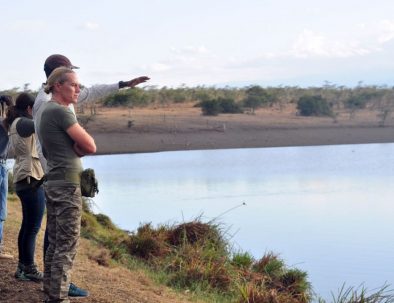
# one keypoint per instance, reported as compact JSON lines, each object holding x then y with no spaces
{"x":204,"y":42}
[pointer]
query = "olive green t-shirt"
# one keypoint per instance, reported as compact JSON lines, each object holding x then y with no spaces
{"x":57,"y":145}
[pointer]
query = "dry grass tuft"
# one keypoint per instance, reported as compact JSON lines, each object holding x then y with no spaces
{"x":101,"y":257}
{"x":148,"y":242}
{"x":190,"y":232}
{"x":258,"y":295}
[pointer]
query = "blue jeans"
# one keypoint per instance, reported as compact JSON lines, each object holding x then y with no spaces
{"x":33,"y":207}
{"x":3,"y":197}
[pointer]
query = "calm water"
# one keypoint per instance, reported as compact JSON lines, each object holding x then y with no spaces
{"x":327,"y":210}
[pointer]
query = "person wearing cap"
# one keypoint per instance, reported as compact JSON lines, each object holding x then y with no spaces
{"x":86,"y":94}
{"x":63,"y":142}
{"x":4,"y":101}
{"x":90,"y":94}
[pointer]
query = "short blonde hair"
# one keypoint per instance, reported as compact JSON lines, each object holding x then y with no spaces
{"x":59,"y":75}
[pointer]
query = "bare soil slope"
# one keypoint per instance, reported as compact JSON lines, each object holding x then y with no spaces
{"x":106,"y":284}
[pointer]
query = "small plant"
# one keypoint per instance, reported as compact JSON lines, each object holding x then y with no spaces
{"x":295,"y":282}
{"x":242,"y":260}
{"x":269,"y":264}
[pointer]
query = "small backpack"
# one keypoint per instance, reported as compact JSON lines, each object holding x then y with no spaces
{"x":89,"y":184}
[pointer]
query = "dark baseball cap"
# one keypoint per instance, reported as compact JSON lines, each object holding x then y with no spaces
{"x":55,"y":61}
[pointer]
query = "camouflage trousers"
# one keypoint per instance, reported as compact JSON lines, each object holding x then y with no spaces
{"x":64,"y":208}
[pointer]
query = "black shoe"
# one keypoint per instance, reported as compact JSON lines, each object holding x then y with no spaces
{"x":19,"y":273}
{"x":31,"y":272}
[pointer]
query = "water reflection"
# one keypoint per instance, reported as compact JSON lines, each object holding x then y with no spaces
{"x":327,"y":210}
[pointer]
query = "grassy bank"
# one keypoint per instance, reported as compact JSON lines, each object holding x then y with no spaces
{"x":188,"y":262}
{"x":195,"y":258}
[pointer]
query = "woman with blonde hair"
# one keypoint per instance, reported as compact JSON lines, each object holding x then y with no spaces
{"x":63,"y":143}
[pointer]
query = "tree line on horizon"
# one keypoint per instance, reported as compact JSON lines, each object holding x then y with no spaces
{"x":326,"y":100}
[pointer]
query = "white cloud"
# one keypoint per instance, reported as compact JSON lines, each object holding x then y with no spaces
{"x":185,"y":58}
{"x":361,"y":26}
{"x":311,"y":44}
{"x":26,"y":26}
{"x":196,"y":64}
{"x":190,"y":50}
{"x":386,"y":31}
{"x":90,"y":26}
{"x":160,"y":67}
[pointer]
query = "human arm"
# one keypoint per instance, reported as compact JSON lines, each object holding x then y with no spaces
{"x":25,"y":127}
{"x":83,"y":143}
{"x":133,"y":82}
{"x":95,"y":92}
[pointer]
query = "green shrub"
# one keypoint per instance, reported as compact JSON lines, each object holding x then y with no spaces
{"x":148,"y":242}
{"x":210,"y":107}
{"x":135,"y":97}
{"x":213,"y":107}
{"x":196,"y":232}
{"x":313,"y":106}
{"x":256,"y":97}
{"x":359,"y":100}
{"x":138,"y":97}
{"x":355,"y":102}
{"x":228,"y":106}
{"x":118,"y":99}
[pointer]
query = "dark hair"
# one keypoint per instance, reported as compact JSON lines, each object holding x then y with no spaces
{"x":5,"y":101}
{"x":23,"y":101}
{"x":55,"y":61}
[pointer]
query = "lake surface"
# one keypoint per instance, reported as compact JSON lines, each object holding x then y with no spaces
{"x":327,"y":210}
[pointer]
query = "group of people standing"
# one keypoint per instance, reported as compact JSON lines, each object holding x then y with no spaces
{"x":45,"y":138}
